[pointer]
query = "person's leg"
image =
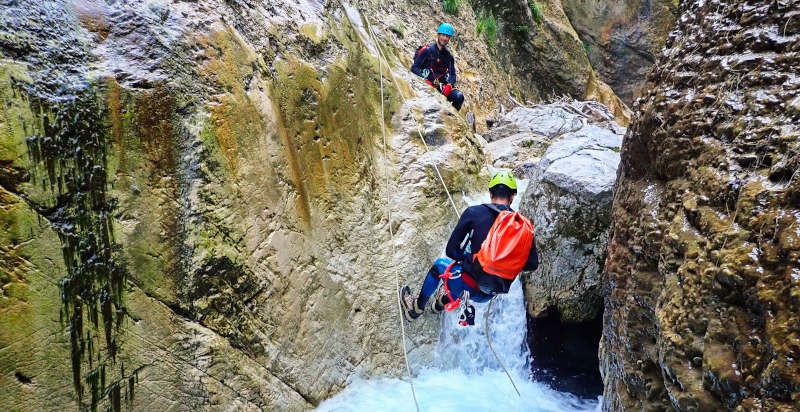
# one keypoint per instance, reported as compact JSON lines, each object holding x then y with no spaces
{"x":456,"y":98}
{"x":479,"y":296}
{"x":457,"y":288}
{"x":432,"y":280}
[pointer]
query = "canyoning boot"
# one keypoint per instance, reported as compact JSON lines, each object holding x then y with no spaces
{"x":410,"y":309}
{"x":440,"y":299}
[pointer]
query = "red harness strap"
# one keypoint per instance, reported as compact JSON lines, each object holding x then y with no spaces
{"x":455,"y":303}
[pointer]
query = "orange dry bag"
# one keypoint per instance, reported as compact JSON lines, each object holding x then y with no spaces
{"x":507,"y":246}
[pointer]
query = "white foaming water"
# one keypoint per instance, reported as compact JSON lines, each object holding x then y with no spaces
{"x":467,"y":375}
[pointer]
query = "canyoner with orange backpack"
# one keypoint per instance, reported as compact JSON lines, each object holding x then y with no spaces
{"x":487,"y":250}
{"x":501,"y":258}
{"x":505,"y":250}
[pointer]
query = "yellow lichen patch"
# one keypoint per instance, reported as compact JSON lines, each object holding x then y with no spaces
{"x":154,"y":111}
{"x":142,"y":176}
{"x":748,"y":198}
{"x":16,"y":118}
{"x":313,"y":32}
{"x":713,"y":222}
{"x":599,"y":91}
{"x":234,"y":117}
{"x":720,"y":360}
{"x":328,"y":128}
{"x":230,"y":60}
{"x":297,"y":90}
{"x":92,"y":17}
{"x":115,"y":114}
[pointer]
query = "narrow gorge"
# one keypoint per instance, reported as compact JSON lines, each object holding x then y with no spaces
{"x":210,"y":204}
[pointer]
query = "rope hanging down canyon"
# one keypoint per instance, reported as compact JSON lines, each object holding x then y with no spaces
{"x":394,"y":251}
{"x":381,"y":59}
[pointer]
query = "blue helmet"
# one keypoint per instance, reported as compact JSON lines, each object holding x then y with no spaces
{"x":446,"y":28}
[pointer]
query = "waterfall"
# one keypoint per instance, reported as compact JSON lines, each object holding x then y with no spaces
{"x":466,"y":375}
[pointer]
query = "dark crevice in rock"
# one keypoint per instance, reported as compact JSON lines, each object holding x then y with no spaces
{"x":25,"y":380}
{"x":564,"y":355}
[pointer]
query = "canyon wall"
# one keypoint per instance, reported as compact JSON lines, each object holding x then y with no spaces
{"x":702,"y":280}
{"x":193,"y":204}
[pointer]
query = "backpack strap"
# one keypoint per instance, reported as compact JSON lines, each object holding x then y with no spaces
{"x":433,"y":49}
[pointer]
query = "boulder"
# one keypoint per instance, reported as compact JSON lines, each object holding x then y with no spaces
{"x":522,"y":135}
{"x":569,"y":201}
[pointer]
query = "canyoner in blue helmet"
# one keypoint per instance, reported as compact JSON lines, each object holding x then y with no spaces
{"x":435,"y":64}
{"x":489,"y":247}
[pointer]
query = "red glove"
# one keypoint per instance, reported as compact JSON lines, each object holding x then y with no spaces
{"x":447,"y":89}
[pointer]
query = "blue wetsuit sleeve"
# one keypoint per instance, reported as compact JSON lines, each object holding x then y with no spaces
{"x":419,"y":62}
{"x":464,"y":226}
{"x":533,"y":259}
{"x":451,"y":72}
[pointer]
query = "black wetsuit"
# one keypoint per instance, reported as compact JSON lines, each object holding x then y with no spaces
{"x":466,"y":240}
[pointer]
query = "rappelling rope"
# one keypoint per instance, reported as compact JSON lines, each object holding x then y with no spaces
{"x":394,"y":251}
{"x":489,"y":340}
{"x":381,"y":59}
{"x":382,"y":56}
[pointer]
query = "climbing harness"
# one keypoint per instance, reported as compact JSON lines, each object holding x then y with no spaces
{"x":443,"y":87}
{"x":467,"y":316}
{"x":382,"y":58}
{"x":447,"y":275}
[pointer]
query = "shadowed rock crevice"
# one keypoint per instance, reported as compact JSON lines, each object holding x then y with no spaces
{"x":564,"y":354}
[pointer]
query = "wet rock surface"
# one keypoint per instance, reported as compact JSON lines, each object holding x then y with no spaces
{"x":538,"y":45}
{"x":234,"y":174}
{"x":569,"y":151}
{"x":547,"y":54}
{"x":622,"y":39}
{"x":702,"y":276}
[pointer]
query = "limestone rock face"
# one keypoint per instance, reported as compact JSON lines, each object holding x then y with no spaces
{"x":622,"y":38}
{"x":569,"y":200}
{"x":193,"y":203}
{"x":702,"y":280}
{"x":545,"y":55}
{"x":539,"y":46}
{"x":521,"y":137}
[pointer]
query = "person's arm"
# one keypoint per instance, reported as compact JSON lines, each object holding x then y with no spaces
{"x":419,"y":62}
{"x":462,"y":229}
{"x":451,"y":72}
{"x":533,"y":259}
